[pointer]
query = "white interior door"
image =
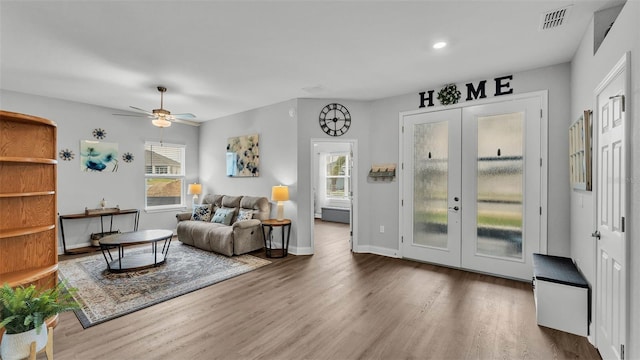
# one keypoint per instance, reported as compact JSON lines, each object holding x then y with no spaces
{"x":611,"y":170}
{"x":472,"y":186}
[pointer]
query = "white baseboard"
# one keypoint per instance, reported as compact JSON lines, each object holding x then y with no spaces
{"x":294,"y":250}
{"x":369,"y":249}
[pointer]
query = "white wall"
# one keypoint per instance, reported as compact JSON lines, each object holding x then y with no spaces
{"x":78,"y":189}
{"x":278,"y":157}
{"x":308,"y":129}
{"x":384,"y":137}
{"x":588,"y":70}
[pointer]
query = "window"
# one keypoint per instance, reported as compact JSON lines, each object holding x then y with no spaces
{"x":337,"y":175}
{"x":164,"y":175}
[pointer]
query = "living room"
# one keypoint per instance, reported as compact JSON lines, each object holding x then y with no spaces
{"x":288,"y":127}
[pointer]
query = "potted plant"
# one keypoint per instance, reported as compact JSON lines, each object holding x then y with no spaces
{"x":23,"y":312}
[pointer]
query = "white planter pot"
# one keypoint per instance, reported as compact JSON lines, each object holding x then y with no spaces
{"x":16,"y":346}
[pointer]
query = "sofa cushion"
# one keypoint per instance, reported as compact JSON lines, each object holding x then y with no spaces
{"x":231,"y":201}
{"x":260,"y":206}
{"x":201,"y":212}
{"x":206,"y":235}
{"x":223,"y":216}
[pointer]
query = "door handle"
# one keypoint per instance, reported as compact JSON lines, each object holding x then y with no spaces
{"x":455,"y":208}
{"x":596,"y":234}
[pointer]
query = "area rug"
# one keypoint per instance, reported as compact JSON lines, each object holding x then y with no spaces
{"x":104,"y":296}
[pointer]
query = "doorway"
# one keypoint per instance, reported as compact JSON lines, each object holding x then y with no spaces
{"x":472,"y":186}
{"x":334,"y":186}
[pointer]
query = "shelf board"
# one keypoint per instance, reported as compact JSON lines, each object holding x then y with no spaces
{"x":25,"y":231}
{"x":21,"y":159}
{"x":24,"y":118}
{"x":26,"y":194}
{"x":24,"y":277}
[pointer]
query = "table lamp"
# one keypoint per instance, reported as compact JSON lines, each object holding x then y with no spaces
{"x":195,"y":190}
{"x":280,"y":193}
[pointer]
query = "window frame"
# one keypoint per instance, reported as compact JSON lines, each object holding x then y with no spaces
{"x":181,"y":176}
{"x":346,"y":177}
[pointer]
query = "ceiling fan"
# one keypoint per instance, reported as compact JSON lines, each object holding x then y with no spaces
{"x":162,"y":117}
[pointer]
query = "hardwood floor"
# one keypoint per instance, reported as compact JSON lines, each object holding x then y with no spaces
{"x":333,"y":305}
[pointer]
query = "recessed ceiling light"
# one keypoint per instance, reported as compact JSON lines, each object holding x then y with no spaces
{"x":439,"y":45}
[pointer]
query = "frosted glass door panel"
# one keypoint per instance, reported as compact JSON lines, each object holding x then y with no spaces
{"x":500,"y":169}
{"x":431,"y":209}
{"x":431,"y":167}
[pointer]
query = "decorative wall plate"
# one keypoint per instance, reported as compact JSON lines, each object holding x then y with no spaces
{"x":66,"y":155}
{"x":127,"y":157}
{"x":99,"y":133}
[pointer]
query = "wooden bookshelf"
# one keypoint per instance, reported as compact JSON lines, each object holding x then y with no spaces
{"x":28,"y":201}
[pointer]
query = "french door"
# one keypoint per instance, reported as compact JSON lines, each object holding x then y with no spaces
{"x":472,"y":186}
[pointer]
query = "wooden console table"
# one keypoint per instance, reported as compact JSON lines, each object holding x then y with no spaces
{"x":102,"y":215}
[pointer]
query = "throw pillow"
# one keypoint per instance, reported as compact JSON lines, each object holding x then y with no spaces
{"x":223,"y":216}
{"x":245,"y":215}
{"x":201,"y":212}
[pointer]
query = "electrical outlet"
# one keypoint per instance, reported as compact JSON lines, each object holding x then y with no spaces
{"x":381,"y":229}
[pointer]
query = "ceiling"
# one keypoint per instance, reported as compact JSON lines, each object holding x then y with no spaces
{"x":223,"y":57}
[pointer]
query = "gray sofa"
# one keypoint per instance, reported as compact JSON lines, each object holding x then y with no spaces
{"x":238,"y":238}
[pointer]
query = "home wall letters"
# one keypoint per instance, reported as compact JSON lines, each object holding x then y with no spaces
{"x":502,"y":87}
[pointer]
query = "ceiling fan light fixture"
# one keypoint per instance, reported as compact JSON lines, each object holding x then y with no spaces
{"x":161,"y":122}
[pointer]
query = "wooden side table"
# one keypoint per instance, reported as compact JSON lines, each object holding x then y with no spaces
{"x":267,"y":227}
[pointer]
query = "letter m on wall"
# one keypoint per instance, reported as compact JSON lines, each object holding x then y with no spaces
{"x":478,"y":92}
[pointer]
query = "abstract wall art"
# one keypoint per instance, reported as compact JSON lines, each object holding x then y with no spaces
{"x":243,"y":156}
{"x":96,"y":156}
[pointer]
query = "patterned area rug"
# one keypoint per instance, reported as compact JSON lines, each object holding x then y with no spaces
{"x":105,"y":295}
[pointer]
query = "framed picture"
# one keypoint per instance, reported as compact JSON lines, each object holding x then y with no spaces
{"x":580,"y":152}
{"x":243,"y":156}
{"x":97,"y":156}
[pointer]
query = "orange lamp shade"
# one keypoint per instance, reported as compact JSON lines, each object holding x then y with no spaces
{"x":195,"y":189}
{"x":280,"y":193}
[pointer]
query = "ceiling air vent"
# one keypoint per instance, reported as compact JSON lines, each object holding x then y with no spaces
{"x":554,"y":18}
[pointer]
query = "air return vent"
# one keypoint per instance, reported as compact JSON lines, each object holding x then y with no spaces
{"x":554,"y":18}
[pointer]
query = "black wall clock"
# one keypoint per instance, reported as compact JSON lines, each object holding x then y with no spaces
{"x":335,"y":119}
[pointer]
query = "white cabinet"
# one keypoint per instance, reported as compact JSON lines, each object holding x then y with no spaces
{"x":562,"y":294}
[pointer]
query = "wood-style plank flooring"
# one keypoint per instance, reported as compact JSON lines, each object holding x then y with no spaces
{"x":333,"y":305}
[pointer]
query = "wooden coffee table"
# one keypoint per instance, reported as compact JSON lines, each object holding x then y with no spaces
{"x":135,"y":261}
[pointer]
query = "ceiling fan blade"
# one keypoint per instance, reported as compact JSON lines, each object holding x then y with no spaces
{"x":143,"y":116}
{"x":184,"y":116}
{"x":186,"y":122}
{"x":143,"y":110}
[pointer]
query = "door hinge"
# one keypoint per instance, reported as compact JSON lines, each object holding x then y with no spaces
{"x":402,"y":166}
{"x":540,"y":210}
{"x":622,"y":224}
{"x":402,"y":202}
{"x":621,"y":351}
{"x":403,"y":128}
{"x":402,"y":239}
{"x":540,"y":162}
{"x":540,"y":113}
